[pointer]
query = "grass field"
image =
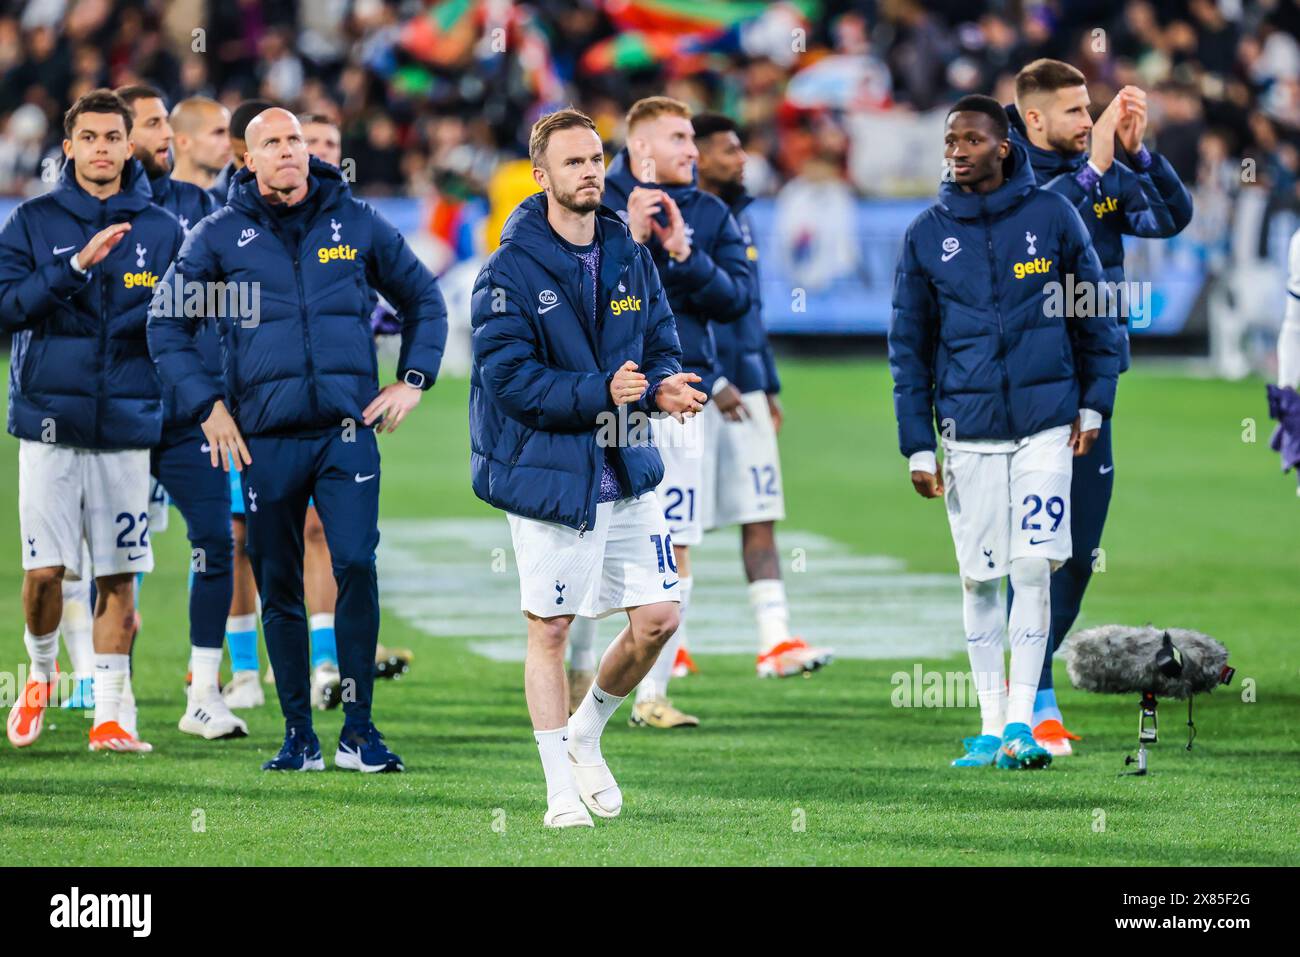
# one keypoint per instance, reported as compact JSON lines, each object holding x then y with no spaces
{"x":1202,"y":534}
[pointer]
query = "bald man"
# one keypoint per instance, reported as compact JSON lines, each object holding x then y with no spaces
{"x":200,"y":140}
{"x":306,"y":403}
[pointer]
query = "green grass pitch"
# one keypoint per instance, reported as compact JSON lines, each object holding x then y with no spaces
{"x":1202,"y":534}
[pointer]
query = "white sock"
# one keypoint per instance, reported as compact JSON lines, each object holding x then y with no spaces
{"x":767,"y":598}
{"x":582,"y":644}
{"x":1029,"y":622}
{"x":322,"y":619}
{"x":981,"y":614}
{"x":561,"y":787}
{"x":110,"y":682}
{"x":43,"y":651}
{"x":77,"y":627}
{"x":126,"y":715}
{"x":204,"y":666}
{"x":588,"y":723}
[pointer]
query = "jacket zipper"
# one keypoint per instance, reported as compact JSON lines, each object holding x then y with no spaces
{"x":302,"y":313}
{"x":103,"y":342}
{"x":997,"y":310}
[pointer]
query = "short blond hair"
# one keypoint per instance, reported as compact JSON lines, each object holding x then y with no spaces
{"x":552,"y":123}
{"x":653,"y":107}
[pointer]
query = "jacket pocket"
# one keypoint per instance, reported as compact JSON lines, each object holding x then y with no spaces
{"x":525,"y":435}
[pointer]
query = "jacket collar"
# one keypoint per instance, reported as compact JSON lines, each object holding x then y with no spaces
{"x":1046,"y":163}
{"x":244,"y":195}
{"x":528,"y":231}
{"x":134,"y":196}
{"x":1019,"y":183}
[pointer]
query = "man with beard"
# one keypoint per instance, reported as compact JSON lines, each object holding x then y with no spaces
{"x":179,"y":464}
{"x":743,"y":478}
{"x":1140,"y":197}
{"x":571,"y":332}
{"x":202,"y":144}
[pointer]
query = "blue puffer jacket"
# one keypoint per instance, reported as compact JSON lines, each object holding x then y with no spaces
{"x":307,"y":361}
{"x":1152,"y":203}
{"x":540,"y":380}
{"x":743,"y":350}
{"x":713,"y":285}
{"x":220,"y":188}
{"x":974,"y":342}
{"x":189,"y":204}
{"x":80,"y":362}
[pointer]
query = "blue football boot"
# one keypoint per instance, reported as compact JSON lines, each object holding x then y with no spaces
{"x":300,"y":752}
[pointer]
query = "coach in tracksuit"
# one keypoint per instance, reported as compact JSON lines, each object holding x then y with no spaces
{"x":985,"y":345}
{"x":703,"y":265}
{"x":179,"y":463}
{"x":77,"y":269}
{"x":302,"y":377}
{"x":1140,"y":197}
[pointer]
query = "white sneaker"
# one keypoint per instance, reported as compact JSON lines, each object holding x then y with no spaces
{"x":244,"y":691}
{"x":212,"y":719}
{"x":325,"y":686}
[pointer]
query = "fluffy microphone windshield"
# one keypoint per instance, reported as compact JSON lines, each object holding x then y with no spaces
{"x":1119,"y":659}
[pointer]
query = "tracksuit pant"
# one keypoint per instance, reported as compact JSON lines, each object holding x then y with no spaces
{"x":1090,"y":491}
{"x":202,"y":494}
{"x":342,"y":476}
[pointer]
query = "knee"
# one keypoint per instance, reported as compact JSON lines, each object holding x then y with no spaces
{"x":211,"y":552}
{"x":656,"y":627}
{"x":45,"y":579}
{"x":1030,"y":573}
{"x":352,"y":567}
{"x":313,"y":532}
{"x":547,"y":636}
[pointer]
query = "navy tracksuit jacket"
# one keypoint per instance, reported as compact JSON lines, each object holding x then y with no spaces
{"x":1144,"y":199}
{"x":298,"y":375}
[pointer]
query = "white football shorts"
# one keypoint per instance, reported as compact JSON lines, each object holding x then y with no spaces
{"x":744,"y":474}
{"x":1008,"y":505}
{"x":67,"y":494}
{"x":685,"y":448}
{"x":623,"y":561}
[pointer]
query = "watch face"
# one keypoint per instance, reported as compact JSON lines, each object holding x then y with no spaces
{"x":414,"y":379}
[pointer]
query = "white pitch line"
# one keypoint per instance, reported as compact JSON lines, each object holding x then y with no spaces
{"x":457,"y":578}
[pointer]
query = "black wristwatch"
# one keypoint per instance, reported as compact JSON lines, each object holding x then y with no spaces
{"x":416,"y":379}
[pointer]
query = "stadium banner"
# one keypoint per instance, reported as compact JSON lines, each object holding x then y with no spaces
{"x":827,"y":261}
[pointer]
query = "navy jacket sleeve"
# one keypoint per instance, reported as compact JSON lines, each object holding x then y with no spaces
{"x":769,"y":364}
{"x":26,"y":292}
{"x":407,"y":283}
{"x":1160,"y":186}
{"x":171,"y":337}
{"x":1095,"y":338}
{"x":662,"y":353}
{"x":716,"y":282}
{"x":913,"y":333}
{"x":506,"y":352}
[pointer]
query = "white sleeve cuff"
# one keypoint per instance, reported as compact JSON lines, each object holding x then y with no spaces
{"x":923,"y":461}
{"x":76,"y":266}
{"x":1093,"y":166}
{"x":1089,"y":420}
{"x":719,"y":384}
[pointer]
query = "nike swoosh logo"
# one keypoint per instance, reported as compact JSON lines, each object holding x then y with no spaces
{"x":60,"y":250}
{"x":598,"y":697}
{"x":131,"y":558}
{"x":542,"y":310}
{"x":946,"y":256}
{"x":1040,"y":541}
{"x":1106,"y":469}
{"x":363,"y":478}
{"x":241,"y":243}
{"x":668,"y":586}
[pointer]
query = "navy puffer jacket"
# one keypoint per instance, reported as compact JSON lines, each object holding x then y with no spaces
{"x":306,"y":362}
{"x":80,"y":362}
{"x":976,"y":342}
{"x":540,"y":380}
